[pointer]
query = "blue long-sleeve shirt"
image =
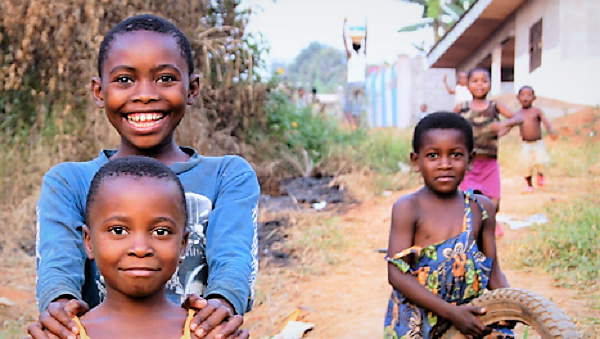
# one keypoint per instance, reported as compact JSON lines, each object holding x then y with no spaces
{"x":221,"y":257}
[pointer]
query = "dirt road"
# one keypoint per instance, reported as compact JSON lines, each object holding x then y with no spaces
{"x":349,"y":302}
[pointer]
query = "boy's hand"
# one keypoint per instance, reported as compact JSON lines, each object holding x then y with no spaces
{"x":465,"y":320}
{"x":554,"y":136}
{"x":56,"y":321}
{"x":215,"y":319}
{"x":503,"y":131}
{"x":498,"y":127}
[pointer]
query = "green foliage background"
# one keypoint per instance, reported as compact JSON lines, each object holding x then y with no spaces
{"x":316,"y":65}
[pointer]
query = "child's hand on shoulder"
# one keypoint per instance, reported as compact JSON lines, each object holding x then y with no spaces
{"x":464,"y":318}
{"x":215,"y":319}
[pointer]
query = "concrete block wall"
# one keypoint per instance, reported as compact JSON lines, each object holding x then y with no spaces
{"x":395,"y":93}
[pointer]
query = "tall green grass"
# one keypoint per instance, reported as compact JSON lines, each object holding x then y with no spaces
{"x":569,"y":246}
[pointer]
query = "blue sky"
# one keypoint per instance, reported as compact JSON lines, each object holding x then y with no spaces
{"x":290,"y":25}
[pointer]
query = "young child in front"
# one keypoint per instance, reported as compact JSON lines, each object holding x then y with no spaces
{"x":145,"y":82}
{"x":484,"y":115}
{"x":442,"y":248}
{"x":533,"y":149}
{"x":135,"y":232}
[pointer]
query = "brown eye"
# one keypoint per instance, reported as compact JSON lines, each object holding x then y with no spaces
{"x":123,"y":79}
{"x":161,"y":232}
{"x":166,"y":78}
{"x":117,"y":230}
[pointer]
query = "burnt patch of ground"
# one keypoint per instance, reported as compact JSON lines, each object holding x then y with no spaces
{"x":271,"y":235}
{"x":302,"y":193}
{"x":294,"y":194}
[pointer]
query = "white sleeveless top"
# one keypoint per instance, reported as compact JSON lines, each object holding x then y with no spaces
{"x":462,"y":94}
{"x":357,"y":66}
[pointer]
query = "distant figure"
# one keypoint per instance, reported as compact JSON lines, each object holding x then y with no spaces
{"x":301,"y":100}
{"x":316,"y":106}
{"x":440,"y":261}
{"x":461,"y":91}
{"x":484,"y":115}
{"x":533,"y":149}
{"x":357,"y":65}
{"x":423,"y":111}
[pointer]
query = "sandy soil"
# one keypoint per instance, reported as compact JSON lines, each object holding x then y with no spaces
{"x":350,"y":300}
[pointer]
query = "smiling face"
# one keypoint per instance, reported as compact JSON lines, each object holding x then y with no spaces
{"x":136,"y":234}
{"x":144,"y":89}
{"x":479,"y":84}
{"x":442,"y":159}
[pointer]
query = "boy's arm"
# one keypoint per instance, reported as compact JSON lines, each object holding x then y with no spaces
{"x":231,"y":239}
{"x":513,"y":119}
{"x":448,"y":88}
{"x":547,"y":123}
{"x":404,"y":219}
{"x":59,"y":244}
{"x":365,"y":36}
{"x":457,"y":108}
{"x":487,"y":243}
{"x":344,"y":36}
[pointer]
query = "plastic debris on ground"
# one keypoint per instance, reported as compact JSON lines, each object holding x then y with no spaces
{"x":404,"y":168}
{"x":293,"y":329}
{"x":6,"y":302}
{"x":319,"y":205}
{"x":516,"y":223}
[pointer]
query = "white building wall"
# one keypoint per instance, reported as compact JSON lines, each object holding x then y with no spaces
{"x":395,"y":100}
{"x":570,"y":66}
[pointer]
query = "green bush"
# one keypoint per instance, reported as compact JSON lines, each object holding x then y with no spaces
{"x":290,"y":132}
{"x":384,"y":150}
{"x":294,"y":130}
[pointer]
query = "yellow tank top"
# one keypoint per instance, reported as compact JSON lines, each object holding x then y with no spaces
{"x":186,"y":327}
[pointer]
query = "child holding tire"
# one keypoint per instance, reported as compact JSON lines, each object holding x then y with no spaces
{"x":442,"y":247}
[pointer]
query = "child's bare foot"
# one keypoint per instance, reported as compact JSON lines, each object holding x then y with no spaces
{"x":540,"y":180}
{"x":528,"y":190}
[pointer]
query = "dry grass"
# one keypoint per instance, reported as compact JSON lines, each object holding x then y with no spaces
{"x":566,"y":247}
{"x":48,"y":55}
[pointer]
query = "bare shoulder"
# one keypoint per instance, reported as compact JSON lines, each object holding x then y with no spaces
{"x":538,"y":111}
{"x":486,"y":203}
{"x":406,"y":205}
{"x":500,"y":105}
{"x":408,"y":200}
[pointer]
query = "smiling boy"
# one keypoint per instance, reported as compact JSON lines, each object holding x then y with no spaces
{"x":146,"y":80}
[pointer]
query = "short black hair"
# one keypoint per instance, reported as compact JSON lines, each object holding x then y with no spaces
{"x":443,"y":120}
{"x":477,"y":70}
{"x":136,"y":167}
{"x":526,"y":87}
{"x":149,"y":23}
